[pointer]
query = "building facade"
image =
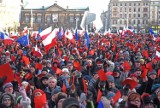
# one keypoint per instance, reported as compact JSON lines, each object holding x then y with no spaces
{"x":54,"y":15}
{"x":9,"y":15}
{"x":104,"y":17}
{"x":137,"y":14}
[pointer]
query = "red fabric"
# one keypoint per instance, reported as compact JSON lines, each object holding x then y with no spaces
{"x":159,"y":72}
{"x":99,"y":95}
{"x":58,"y":71}
{"x":84,"y":86}
{"x":116,"y":97}
{"x":25,"y":59}
{"x":145,"y":53}
{"x":64,"y":89}
{"x":6,"y":70}
{"x":102,"y":75}
{"x":126,"y":66}
{"x":131,"y":82}
{"x":149,"y":66}
{"x":40,"y":101}
{"x":38,"y":66}
{"x":77,"y":65}
{"x":144,"y":73}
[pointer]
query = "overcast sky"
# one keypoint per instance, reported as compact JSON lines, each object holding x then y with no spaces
{"x":94,"y":5}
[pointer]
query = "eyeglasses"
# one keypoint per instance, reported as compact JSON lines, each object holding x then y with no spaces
{"x":135,"y":101}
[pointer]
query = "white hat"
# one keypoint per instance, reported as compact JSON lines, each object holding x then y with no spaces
{"x":65,"y":70}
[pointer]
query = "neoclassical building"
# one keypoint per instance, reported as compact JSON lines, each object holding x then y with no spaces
{"x":138,"y":14}
{"x":54,"y":15}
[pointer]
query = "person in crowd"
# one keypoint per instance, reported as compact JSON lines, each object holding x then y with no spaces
{"x":52,"y":84}
{"x":134,"y":101}
{"x":8,"y":100}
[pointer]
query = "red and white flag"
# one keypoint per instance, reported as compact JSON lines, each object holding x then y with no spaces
{"x":69,"y":35}
{"x":50,"y":40}
{"x":45,"y":33}
{"x":37,"y":52}
{"x":25,"y":30}
{"x":158,"y":55}
{"x":7,"y":39}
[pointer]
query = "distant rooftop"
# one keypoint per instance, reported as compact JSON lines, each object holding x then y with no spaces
{"x":31,"y":6}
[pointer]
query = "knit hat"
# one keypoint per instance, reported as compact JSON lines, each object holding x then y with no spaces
{"x":110,"y":78}
{"x":69,"y":102}
{"x":56,"y":90}
{"x":146,"y":98}
{"x":152,"y":72}
{"x":110,"y":95}
{"x":7,"y":85}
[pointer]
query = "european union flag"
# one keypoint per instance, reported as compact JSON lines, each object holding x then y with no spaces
{"x":87,"y":39}
{"x":24,"y":41}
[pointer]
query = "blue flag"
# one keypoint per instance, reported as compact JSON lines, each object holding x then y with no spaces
{"x":152,"y":33}
{"x":24,"y":41}
{"x":76,"y":35}
{"x":1,"y":35}
{"x":38,"y":35}
{"x":87,"y":39}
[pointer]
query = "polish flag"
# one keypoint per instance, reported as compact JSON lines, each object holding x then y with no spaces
{"x":25,"y":30}
{"x":37,"y":52}
{"x":158,"y":55}
{"x":50,"y":40}
{"x":8,"y":40}
{"x":69,"y":35}
{"x":45,"y":33}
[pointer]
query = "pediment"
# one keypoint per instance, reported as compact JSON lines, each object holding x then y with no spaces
{"x":55,"y":7}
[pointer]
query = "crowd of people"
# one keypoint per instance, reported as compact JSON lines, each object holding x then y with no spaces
{"x":112,"y":71}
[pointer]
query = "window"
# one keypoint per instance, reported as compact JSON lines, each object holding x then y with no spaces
{"x":71,"y":19}
{"x":130,"y":9}
{"x":125,"y":9}
{"x":1,"y":1}
{"x":134,"y":22}
{"x":27,"y":18}
{"x":130,"y":16}
{"x":125,"y":4}
{"x":139,"y":15}
{"x":159,"y":22}
{"x":125,"y":15}
{"x":139,"y":9}
{"x":139,"y":21}
{"x":48,"y":18}
{"x":145,"y":15}
{"x":120,"y":21}
{"x":134,"y":15}
{"x":125,"y":21}
{"x":39,"y":18}
{"x":134,"y":4}
{"x":145,"y":9}
{"x":120,"y":4}
{"x":129,"y":4}
{"x":134,"y":9}
{"x":55,"y":17}
{"x":114,"y":21}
